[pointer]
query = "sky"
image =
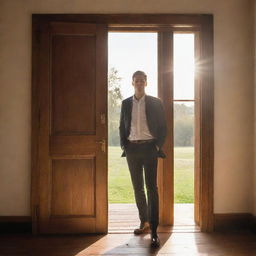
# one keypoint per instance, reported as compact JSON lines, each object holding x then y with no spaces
{"x":129,"y":52}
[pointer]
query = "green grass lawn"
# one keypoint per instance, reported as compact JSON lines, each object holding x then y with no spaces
{"x":119,"y":182}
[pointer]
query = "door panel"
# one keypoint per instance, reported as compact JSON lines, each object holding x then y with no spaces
{"x":70,"y":67}
{"x":73,"y":133}
{"x":73,"y":179}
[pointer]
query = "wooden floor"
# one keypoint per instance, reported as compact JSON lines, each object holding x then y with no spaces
{"x":184,"y":239}
{"x":123,"y":218}
{"x":185,"y":244}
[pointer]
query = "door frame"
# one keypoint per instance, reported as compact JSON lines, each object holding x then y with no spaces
{"x":202,"y":24}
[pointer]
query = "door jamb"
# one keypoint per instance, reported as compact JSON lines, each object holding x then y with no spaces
{"x":146,"y":22}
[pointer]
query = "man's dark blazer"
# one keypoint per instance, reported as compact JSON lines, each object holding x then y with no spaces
{"x":155,"y":120}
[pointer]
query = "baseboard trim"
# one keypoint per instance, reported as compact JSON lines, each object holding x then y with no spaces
{"x":15,"y":224}
{"x":234,"y":221}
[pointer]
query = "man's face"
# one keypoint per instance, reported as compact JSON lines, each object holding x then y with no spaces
{"x":139,"y":83}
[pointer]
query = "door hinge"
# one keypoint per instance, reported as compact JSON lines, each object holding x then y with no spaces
{"x":103,"y":118}
{"x":36,"y":213}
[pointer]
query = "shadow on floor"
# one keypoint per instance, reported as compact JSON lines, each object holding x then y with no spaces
{"x":138,"y":245}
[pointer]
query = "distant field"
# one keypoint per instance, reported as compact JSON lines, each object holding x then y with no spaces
{"x":119,"y":182}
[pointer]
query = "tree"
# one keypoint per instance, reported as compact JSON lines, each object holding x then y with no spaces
{"x":183,"y":131}
{"x":183,"y":125}
{"x":114,"y":106}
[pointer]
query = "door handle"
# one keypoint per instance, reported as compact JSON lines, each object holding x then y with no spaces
{"x":103,"y":145}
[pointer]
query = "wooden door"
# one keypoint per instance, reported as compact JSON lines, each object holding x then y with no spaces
{"x":72,"y":138}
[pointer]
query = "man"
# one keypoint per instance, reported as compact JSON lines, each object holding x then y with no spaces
{"x":142,"y":134}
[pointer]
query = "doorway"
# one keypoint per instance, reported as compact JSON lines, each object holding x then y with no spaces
{"x":184,"y":79}
{"x":128,"y":52}
{"x":69,"y":153}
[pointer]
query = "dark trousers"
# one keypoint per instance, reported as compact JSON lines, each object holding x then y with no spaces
{"x":139,"y":157}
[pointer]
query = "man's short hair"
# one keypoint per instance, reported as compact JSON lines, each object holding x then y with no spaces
{"x":139,"y":73}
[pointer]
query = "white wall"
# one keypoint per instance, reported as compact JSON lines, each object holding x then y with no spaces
{"x":233,"y":170}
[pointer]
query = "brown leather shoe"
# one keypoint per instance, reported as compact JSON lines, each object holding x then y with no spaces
{"x":142,"y":229}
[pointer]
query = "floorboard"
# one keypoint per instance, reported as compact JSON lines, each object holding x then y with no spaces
{"x":123,"y":218}
{"x":187,"y":244}
{"x":182,"y":239}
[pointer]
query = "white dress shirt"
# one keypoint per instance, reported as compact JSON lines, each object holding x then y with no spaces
{"x":139,"y":127}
